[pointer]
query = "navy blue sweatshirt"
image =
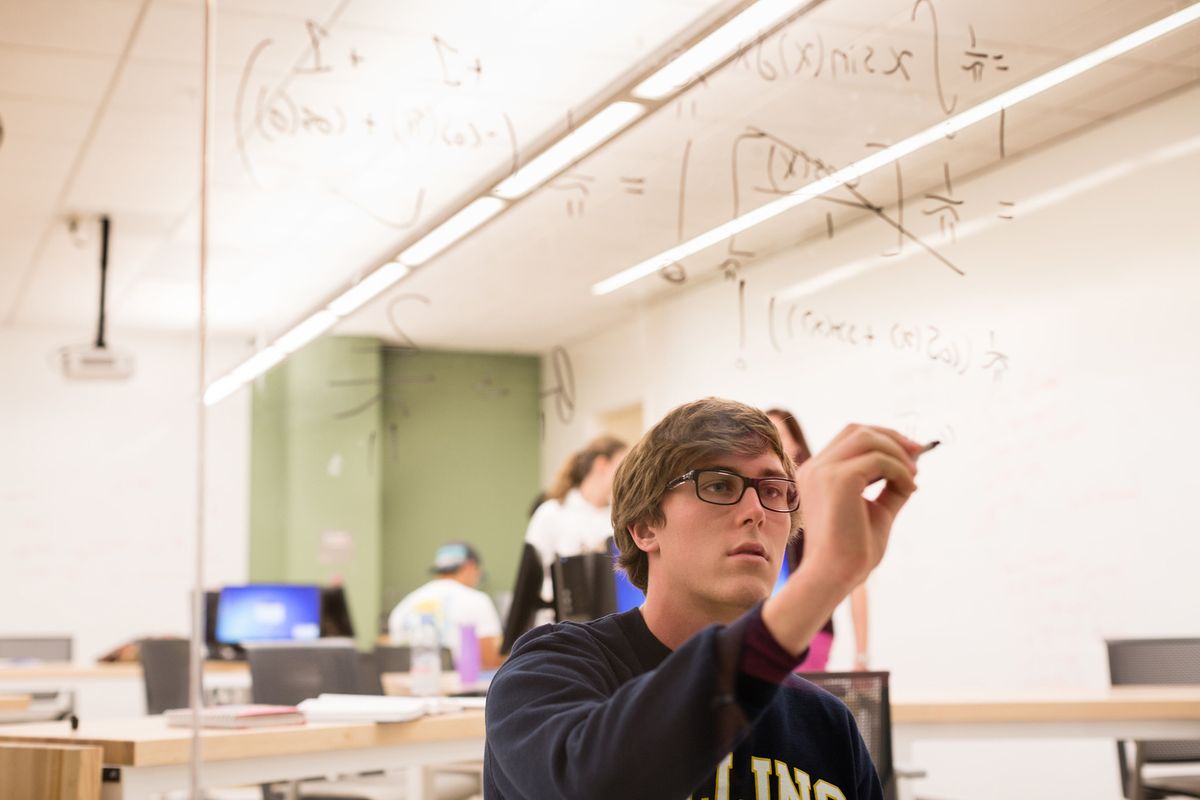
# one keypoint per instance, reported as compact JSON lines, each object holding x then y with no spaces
{"x":606,"y":710}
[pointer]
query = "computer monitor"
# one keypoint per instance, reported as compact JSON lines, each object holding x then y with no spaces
{"x":628,"y":596}
{"x":784,"y":571}
{"x":266,"y":612}
{"x":216,"y":650}
{"x":526,"y":597}
{"x":584,"y":587}
{"x":335,"y":613}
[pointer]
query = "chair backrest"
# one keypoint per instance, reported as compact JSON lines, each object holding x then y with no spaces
{"x":164,"y":673}
{"x":526,"y":597}
{"x":866,"y":695}
{"x":285,"y":674}
{"x":370,"y":680}
{"x":43,"y":648}
{"x":398,"y":658}
{"x":1157,"y":662}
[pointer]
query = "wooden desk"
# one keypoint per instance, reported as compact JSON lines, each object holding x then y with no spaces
{"x":109,"y":691}
{"x":65,"y":671}
{"x":1118,"y":713}
{"x":400,"y":683}
{"x":15,"y":702}
{"x":153,"y":758}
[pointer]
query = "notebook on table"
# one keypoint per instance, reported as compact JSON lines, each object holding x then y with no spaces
{"x":375,"y":708}
{"x":253,"y":715}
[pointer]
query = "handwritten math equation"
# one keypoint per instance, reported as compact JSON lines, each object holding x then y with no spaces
{"x":320,"y":118}
{"x":798,"y":53}
{"x":957,"y":352}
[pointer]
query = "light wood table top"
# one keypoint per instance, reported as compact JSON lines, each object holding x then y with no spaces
{"x":67,"y":670}
{"x":148,"y":741}
{"x":400,"y":683}
{"x":1116,"y":704}
{"x":15,"y":702}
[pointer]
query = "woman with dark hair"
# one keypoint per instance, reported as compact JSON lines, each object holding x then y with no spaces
{"x":818,"y":651}
{"x":575,"y":516}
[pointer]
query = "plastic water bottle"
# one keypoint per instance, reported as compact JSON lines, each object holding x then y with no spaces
{"x":468,"y":655}
{"x":426,"y":669}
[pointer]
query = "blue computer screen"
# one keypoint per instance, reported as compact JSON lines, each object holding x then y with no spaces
{"x":783,"y":576}
{"x":628,"y":595}
{"x":262,"y":611}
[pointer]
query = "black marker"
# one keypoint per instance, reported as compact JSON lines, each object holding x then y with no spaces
{"x":917,"y":455}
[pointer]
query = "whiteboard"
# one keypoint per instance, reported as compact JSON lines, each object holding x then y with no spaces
{"x":1060,"y":372}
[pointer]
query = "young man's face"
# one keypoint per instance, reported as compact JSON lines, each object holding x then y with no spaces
{"x":719,"y":559}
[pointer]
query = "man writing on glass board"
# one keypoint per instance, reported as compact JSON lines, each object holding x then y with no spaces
{"x":692,"y":694}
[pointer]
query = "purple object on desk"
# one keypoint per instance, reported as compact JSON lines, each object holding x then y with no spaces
{"x":468,"y":655}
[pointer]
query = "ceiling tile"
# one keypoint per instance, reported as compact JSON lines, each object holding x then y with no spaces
{"x":95,"y":27}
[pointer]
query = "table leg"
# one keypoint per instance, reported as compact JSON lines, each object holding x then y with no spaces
{"x":419,"y":783}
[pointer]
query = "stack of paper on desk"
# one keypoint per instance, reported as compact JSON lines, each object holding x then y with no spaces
{"x":374,"y":708}
{"x":236,"y":716}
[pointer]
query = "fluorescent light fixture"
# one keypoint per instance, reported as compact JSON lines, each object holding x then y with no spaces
{"x":478,"y":212}
{"x":888,"y":155}
{"x":569,"y":149}
{"x":700,"y":57}
{"x":306,"y":331}
{"x":242,"y":374}
{"x":258,"y":363}
{"x":368,"y":288}
{"x":221,"y":388}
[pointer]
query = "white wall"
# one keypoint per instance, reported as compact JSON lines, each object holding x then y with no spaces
{"x":98,"y":491}
{"x":1061,"y":509}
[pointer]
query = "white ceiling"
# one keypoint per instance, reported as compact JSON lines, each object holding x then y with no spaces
{"x":319,"y":176}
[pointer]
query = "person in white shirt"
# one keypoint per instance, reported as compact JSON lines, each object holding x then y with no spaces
{"x":576,"y":516}
{"x":452,"y":600}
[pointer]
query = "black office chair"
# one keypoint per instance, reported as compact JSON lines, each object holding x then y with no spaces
{"x":285,"y":674}
{"x":866,"y":694}
{"x":164,"y":673}
{"x":1155,"y":662}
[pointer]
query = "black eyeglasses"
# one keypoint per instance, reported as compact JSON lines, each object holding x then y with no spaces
{"x":724,"y":488}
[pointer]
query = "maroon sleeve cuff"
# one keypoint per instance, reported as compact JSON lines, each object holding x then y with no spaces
{"x":762,"y":657}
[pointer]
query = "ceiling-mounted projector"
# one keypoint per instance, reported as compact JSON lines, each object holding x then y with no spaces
{"x":97,"y":361}
{"x":89,"y":362}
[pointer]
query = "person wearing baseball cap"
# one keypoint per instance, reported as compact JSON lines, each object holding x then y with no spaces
{"x":453,"y":601}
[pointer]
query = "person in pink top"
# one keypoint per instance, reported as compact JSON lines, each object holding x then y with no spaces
{"x":796,"y":446}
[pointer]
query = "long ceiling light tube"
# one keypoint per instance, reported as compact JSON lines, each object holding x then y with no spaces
{"x":368,"y":288}
{"x":478,"y":212}
{"x":245,"y":372}
{"x":306,"y":331}
{"x":888,"y":155}
{"x":569,"y":149}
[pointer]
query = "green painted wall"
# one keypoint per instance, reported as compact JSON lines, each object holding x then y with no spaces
{"x":461,"y":461}
{"x":400,"y":449}
{"x":268,"y":477}
{"x":315,"y":472}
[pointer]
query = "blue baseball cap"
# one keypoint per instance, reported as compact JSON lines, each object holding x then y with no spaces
{"x":451,"y":556}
